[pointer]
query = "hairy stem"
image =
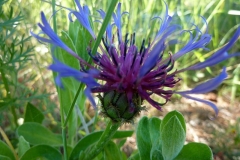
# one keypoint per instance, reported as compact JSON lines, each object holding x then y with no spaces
{"x":104,"y":139}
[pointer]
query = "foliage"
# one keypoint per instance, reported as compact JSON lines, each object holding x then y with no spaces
{"x":18,"y":85}
{"x":15,"y":55}
{"x":164,"y":140}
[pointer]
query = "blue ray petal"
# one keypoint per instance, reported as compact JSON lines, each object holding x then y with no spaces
{"x":155,"y":53}
{"x":212,"y":62}
{"x":83,"y":17}
{"x":109,"y":26}
{"x":219,"y":56}
{"x":152,"y":59}
{"x":117,"y":20}
{"x":84,"y":77}
{"x":199,"y":41}
{"x":209,"y":103}
{"x":209,"y":85}
{"x":54,"y":39}
{"x":88,"y":94}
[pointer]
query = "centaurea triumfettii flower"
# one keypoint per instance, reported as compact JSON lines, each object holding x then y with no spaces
{"x":131,"y":74}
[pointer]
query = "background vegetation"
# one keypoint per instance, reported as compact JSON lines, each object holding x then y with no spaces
{"x":23,"y":61}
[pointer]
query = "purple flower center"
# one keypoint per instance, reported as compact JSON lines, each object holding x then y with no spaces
{"x":120,"y":69}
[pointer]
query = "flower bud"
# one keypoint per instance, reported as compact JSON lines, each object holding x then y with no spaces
{"x":116,"y":106}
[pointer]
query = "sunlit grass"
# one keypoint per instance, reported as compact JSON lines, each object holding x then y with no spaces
{"x":221,"y":24}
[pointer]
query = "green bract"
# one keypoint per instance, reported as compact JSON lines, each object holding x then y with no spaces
{"x":116,"y":106}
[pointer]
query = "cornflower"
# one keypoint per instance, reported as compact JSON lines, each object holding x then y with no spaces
{"x":131,"y":74}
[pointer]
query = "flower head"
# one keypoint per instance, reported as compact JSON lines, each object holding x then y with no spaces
{"x":130,"y":74}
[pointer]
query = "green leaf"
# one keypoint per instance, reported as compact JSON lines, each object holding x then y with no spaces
{"x":82,"y":41}
{"x":42,"y":151}
{"x":88,"y":140}
{"x":143,"y":138}
{"x":170,"y":115}
{"x":5,"y":151}
{"x":72,"y":127}
{"x":154,"y":130}
{"x":196,"y":151}
{"x":100,"y":156}
{"x":23,"y":146}
{"x":66,"y":58}
{"x":156,"y":155}
{"x":35,"y":134}
{"x":4,"y":157}
{"x":173,"y":137}
{"x":67,"y":95}
{"x":122,"y":142}
{"x":135,"y":156}
{"x":124,"y":156}
{"x":32,"y":114}
{"x":73,"y":30}
{"x":111,"y":151}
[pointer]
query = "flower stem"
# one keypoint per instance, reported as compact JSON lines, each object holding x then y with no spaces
{"x":104,"y":139}
{"x":72,"y":105}
{"x":64,"y":138}
{"x":104,"y":25}
{"x":64,"y":135}
{"x":111,"y":130}
{"x":96,"y":44}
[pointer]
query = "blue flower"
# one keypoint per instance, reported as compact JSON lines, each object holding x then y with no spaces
{"x":83,"y":17}
{"x":133,"y":74}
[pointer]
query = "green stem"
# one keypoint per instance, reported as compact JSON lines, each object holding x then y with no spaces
{"x":14,"y":115}
{"x":104,"y":25}
{"x":72,"y":106}
{"x":104,"y":139}
{"x":96,"y":44}
{"x":64,"y":138}
{"x":5,"y":82}
{"x":114,"y":128}
{"x":5,"y":137}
